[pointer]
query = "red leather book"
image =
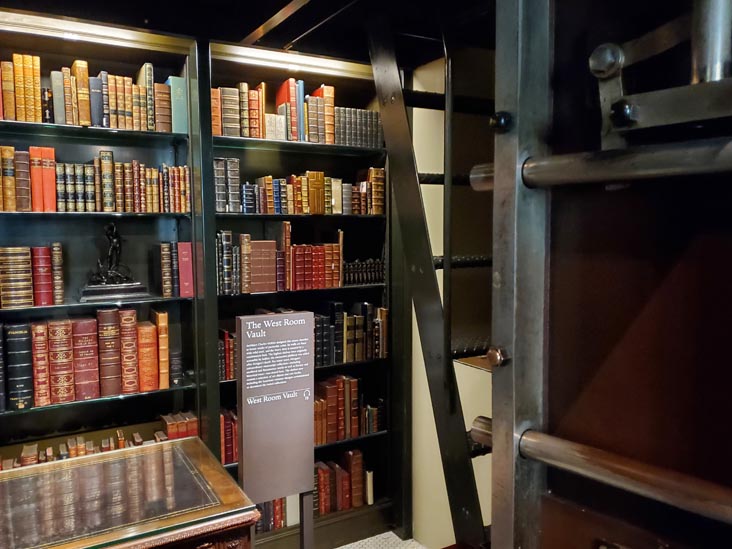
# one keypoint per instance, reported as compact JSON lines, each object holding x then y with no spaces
{"x":354,"y":405}
{"x":324,"y":473}
{"x":298,"y":266}
{"x":191,"y":424}
{"x":48,"y":178}
{"x":41,"y":381}
{"x":308,"y":267}
{"x":328,"y":391}
{"x":319,"y":267}
{"x":128,"y":346}
{"x":185,"y":269}
{"x":216,"y":112}
{"x":345,"y":489}
{"x":277,"y":511}
{"x":222,"y":437}
{"x":36,"y":178}
{"x":328,"y":266}
{"x":60,"y":361}
{"x":160,"y":319}
{"x":354,"y":466}
{"x":136,"y":186}
{"x":234,"y":435}
{"x":110,"y":346}
{"x":341,"y":406}
{"x":228,"y":439}
{"x":86,"y":358}
{"x":171,"y":427}
{"x":147,"y":345}
{"x":42,"y":276}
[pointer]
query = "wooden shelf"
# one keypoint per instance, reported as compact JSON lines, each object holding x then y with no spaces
{"x":90,"y":215}
{"x":296,"y":147}
{"x":99,"y":136}
{"x":76,"y":306}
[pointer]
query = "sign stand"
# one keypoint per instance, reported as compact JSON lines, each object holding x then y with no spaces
{"x":307,"y":523}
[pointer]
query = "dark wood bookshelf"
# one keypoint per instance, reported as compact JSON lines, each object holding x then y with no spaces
{"x":295,"y":147}
{"x":95,"y":134}
{"x":74,"y":306}
{"x":301,"y":292}
{"x":356,"y":364}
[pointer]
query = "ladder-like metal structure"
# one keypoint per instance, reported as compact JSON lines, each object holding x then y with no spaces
{"x":434,"y":314}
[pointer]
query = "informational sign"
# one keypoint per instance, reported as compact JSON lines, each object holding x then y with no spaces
{"x":276,"y":389}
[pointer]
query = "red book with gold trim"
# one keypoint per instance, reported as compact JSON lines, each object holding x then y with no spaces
{"x":129,"y":350}
{"x":110,"y":357}
{"x":86,"y":358}
{"x":42,"y":276}
{"x":147,"y":345}
{"x":41,"y":381}
{"x":60,"y":361}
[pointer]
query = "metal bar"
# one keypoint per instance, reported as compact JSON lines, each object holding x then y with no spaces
{"x":708,"y":156}
{"x":447,"y":225}
{"x":482,"y":177}
{"x":482,"y":431}
{"x":273,"y":22}
{"x":439,"y":179}
{"x":524,"y":56}
{"x":291,"y":43}
{"x":657,"y":41}
{"x":711,"y":40}
{"x":450,"y":425}
{"x":464,"y":261}
{"x":307,"y":524}
{"x":204,"y":230}
{"x":436,"y":102}
{"x":683,"y":491}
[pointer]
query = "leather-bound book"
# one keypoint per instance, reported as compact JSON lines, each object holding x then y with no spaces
{"x":355,"y":195}
{"x":112,"y":96}
{"x":163,"y":113}
{"x":136,"y":108}
{"x":136,"y":187}
{"x":29,"y":455}
{"x":316,"y":192}
{"x":106,"y":160}
{"x":41,"y":367}
{"x":320,"y":106}
{"x":174,"y":269}
{"x":145,"y":79}
{"x":358,"y":338}
{"x":345,"y":489}
{"x":16,"y":280}
{"x":46,"y":106}
{"x":86,"y":358}
{"x":230,"y":122}
{"x":176,"y":354}
{"x":227,"y":261}
{"x":110,"y":346}
{"x":80,"y":71}
{"x":48,"y":179}
{"x":165,"y":190}
{"x":22,"y":181}
{"x":185,"y":269}
{"x":336,"y":486}
{"x":328,"y":193}
{"x":60,"y":171}
{"x":7,"y":76}
{"x":319,"y":267}
{"x":350,"y":338}
{"x":127,"y":83}
{"x":74,"y":100}
{"x":354,"y":465}
{"x":165,"y":266}
{"x":243,"y":89}
{"x":57,"y":264}
{"x":19,"y":365}
{"x":89,"y":188}
{"x":104,"y":79}
{"x":160,"y":319}
{"x":262,"y":93}
{"x":280,"y":270}
{"x":61,"y":361}
{"x":7,"y":157}
{"x":328,"y":391}
{"x":96,"y":101}
{"x":286,"y":104}
{"x":147,"y":344}
{"x":309,"y":267}
{"x":335,"y":308}
{"x":324,"y":473}
{"x":3,"y":394}
{"x":216,"y":122}
{"x":36,"y":178}
{"x":312,"y":121}
{"x":254,"y":117}
{"x":66,"y":81}
{"x":79,"y":186}
{"x":119,"y":187}
{"x":340,"y":406}
{"x":127,"y":185}
{"x":129,"y":350}
{"x":70,"y":187}
{"x":121,"y":112}
{"x":42,"y":276}
{"x":19,"y":76}
{"x":354,"y":406}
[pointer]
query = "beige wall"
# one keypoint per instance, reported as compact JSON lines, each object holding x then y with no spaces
{"x":432,"y":522}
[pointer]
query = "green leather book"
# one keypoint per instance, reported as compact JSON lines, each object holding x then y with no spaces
{"x":178,"y":103}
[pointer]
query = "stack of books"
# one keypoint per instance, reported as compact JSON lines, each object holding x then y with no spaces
{"x":343,"y":485}
{"x":31,"y":276}
{"x":72,"y":97}
{"x":174,"y":269}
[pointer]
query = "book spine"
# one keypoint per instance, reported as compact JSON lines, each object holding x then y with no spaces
{"x":7,"y":158}
{"x":80,"y":71}
{"x":147,"y":344}
{"x":178,"y":104}
{"x":57,"y":264}
{"x":110,"y":360}
{"x":96,"y":101}
{"x":79,"y":185}
{"x":161,"y":323}
{"x":19,"y":364}
{"x":68,"y":109}
{"x":127,"y":86}
{"x":244,"y":108}
{"x":7,"y":78}
{"x":136,"y":108}
{"x":254,"y":123}
{"x":106,"y":161}
{"x":70,"y":185}
{"x":174,"y":269}
{"x":19,"y":74}
{"x":127,"y":183}
{"x":104,"y":77}
{"x":22,"y":181}
{"x":89,"y":188}
{"x":86,"y":358}
{"x":150,"y":95}
{"x":46,"y":106}
{"x":74,"y":100}
{"x":48,"y":179}
{"x":119,"y":187}
{"x":129,"y":350}
{"x":112,"y":95}
{"x":42,"y":276}
{"x":41,"y":372}
{"x":166,"y":275}
{"x":60,"y":360}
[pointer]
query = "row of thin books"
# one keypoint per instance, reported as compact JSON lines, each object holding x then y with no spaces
{"x":78,"y":446}
{"x":311,"y":193}
{"x":66,"y":360}
{"x":369,"y":271}
{"x":31,"y":277}
{"x":314,"y":118}
{"x":70,"y":96}
{"x":247,"y":266}
{"x":32,"y":181}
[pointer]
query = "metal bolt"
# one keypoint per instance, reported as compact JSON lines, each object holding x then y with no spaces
{"x":606,"y":60}
{"x":500,"y":121}
{"x":497,"y":357}
{"x":623,"y":114}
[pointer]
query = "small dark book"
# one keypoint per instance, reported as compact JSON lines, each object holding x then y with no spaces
{"x":174,"y":271}
{"x":336,"y":320}
{"x":176,"y":354}
{"x":96,"y":100}
{"x":19,"y":364}
{"x":2,"y":370}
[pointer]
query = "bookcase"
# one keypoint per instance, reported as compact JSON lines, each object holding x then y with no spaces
{"x":384,"y":381}
{"x":58,"y":43}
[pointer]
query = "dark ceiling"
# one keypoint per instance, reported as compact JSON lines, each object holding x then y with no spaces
{"x":325,"y":27}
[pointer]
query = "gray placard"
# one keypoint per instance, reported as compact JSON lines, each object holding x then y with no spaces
{"x":275,"y":394}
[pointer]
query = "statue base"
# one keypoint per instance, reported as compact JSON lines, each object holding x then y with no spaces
{"x":113,"y":292}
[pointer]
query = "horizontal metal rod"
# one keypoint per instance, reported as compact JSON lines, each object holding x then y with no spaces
{"x":670,"y":487}
{"x":705,"y":156}
{"x":464,"y":261}
{"x":439,"y":179}
{"x":482,"y":177}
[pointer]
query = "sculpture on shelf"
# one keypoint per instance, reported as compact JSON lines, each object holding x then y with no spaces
{"x":112,"y":279}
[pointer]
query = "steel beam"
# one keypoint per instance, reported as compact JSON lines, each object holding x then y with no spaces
{"x":455,"y":451}
{"x":524,"y":46}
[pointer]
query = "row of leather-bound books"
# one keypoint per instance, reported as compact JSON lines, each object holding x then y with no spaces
{"x":70,"y":96}
{"x":311,"y":193}
{"x":175,"y":274}
{"x":67,"y":360}
{"x":342,"y":484}
{"x":33,"y":181}
{"x":247,"y":266}
{"x":31,"y":276}
{"x":314,"y":118}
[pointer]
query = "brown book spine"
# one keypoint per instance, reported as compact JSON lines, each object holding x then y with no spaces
{"x":109,"y":190}
{"x":128,"y":187}
{"x":136,"y":113}
{"x":69,"y":111}
{"x":97,"y":184}
{"x":341,"y":408}
{"x":74,"y":100}
{"x":160,"y":319}
{"x":136,"y":186}
{"x":143,"y":188}
{"x":57,"y":274}
{"x":119,"y":187}
{"x":119,"y":82}
{"x":61,"y":361}
{"x":19,"y":73}
{"x":110,"y":359}
{"x":7,"y":75}
{"x":80,"y":71}
{"x":147,"y":342}
{"x":163,"y":113}
{"x":28,"y":86}
{"x":41,"y":368}
{"x":112,"y":87}
{"x":7,"y":157}
{"x":22,"y":181}
{"x":86,"y":358}
{"x":128,"y":339}
{"x":127,"y":86}
{"x":37,"y":110}
{"x":166,"y":270}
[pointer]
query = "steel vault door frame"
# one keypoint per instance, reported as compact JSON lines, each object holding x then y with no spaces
{"x":524,"y":55}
